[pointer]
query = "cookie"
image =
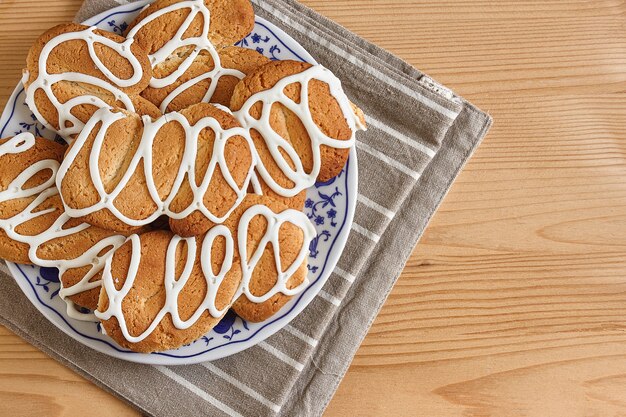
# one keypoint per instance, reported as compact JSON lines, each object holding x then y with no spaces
{"x":188,"y":176}
{"x":191,"y":166}
{"x":200,"y":83}
{"x":184,"y":39}
{"x":261,"y":188}
{"x":158,"y":27}
{"x":34,"y":228}
{"x":162,"y":298}
{"x":79,"y":254}
{"x":273,"y":243}
{"x":161,"y":291}
{"x":73,"y":70}
{"x":27,"y":163}
{"x":307,"y":134}
{"x":219,"y":199}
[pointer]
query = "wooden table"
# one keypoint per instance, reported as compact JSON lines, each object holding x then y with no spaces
{"x":514,"y":303}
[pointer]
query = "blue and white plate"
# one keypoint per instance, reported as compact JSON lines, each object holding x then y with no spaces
{"x":330,"y":207}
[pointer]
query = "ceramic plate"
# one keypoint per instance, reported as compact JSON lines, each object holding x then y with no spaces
{"x":330,"y":206}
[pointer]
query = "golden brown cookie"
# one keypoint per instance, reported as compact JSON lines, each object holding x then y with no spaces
{"x":81,"y":74}
{"x":13,"y":164}
{"x":240,"y":59}
{"x":33,"y":228}
{"x":296,"y":202}
{"x":325,"y":111}
{"x":219,"y":198}
{"x":206,"y":273}
{"x":141,"y":306}
{"x":185,"y":41}
{"x":230,"y":21}
{"x":64,"y":249}
{"x":120,"y":143}
{"x":264,"y":275}
{"x":175,"y":155}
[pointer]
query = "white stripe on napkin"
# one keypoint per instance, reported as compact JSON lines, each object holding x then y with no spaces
{"x":200,"y":393}
{"x":388,"y":160}
{"x":363,"y":231}
{"x":345,"y":275}
{"x":241,"y":386}
{"x":375,"y":206}
{"x":330,"y":298}
{"x":280,"y":355}
{"x":401,"y":137}
{"x":297,"y":333}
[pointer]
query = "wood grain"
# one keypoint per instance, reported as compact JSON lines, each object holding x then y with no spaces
{"x":514,"y":303}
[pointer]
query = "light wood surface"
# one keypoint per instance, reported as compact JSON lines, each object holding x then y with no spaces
{"x":514,"y":303}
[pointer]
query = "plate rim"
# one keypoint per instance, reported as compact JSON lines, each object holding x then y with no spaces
{"x":261,"y":334}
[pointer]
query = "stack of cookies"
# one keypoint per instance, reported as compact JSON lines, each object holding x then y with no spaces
{"x":180,"y":193}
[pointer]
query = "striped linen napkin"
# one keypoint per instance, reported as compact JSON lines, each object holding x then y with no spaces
{"x":407,"y":162}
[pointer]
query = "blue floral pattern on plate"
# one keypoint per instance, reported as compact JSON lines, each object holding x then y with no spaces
{"x":329,"y":206}
{"x":262,"y":44}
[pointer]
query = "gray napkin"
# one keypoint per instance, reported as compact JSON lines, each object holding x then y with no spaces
{"x":420,"y":136}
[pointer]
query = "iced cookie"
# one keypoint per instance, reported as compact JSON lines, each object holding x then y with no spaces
{"x":301,"y":122}
{"x":167,"y":291}
{"x":197,"y":84}
{"x":185,"y":41}
{"x":34,"y":228}
{"x":79,"y":254}
{"x":174,"y":24}
{"x":73,"y":70}
{"x":27,"y":168}
{"x":261,"y":188}
{"x":235,"y":159}
{"x":273,"y":243}
{"x":161,"y":291}
{"x":189,"y":166}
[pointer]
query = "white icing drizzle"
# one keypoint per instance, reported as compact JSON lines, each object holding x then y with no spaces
{"x":275,"y":143}
{"x":174,"y":286}
{"x":144,"y":154}
{"x":274,"y":223}
{"x":15,"y":190}
{"x":68,"y":123}
{"x":199,"y":43}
